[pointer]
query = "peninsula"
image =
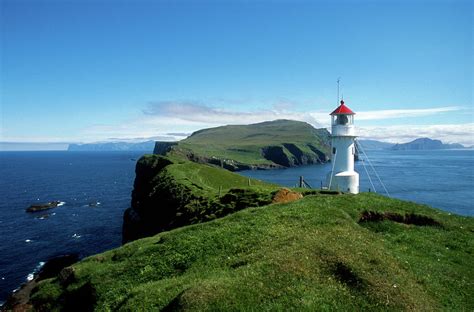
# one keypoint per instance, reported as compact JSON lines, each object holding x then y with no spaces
{"x":186,"y":183}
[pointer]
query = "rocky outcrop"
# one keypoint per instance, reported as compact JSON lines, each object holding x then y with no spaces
{"x":161,"y":148}
{"x":277,"y":155}
{"x":152,"y":200}
{"x":42,"y":207}
{"x":322,"y":157}
{"x":20,"y":299}
{"x":290,"y":155}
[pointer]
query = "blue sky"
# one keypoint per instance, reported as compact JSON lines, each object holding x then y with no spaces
{"x":83,"y":71}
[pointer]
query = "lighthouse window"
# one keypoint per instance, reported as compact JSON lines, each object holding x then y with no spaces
{"x":342,"y":120}
{"x":334,"y":150}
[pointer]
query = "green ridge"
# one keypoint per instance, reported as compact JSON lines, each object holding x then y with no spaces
{"x":243,"y":146}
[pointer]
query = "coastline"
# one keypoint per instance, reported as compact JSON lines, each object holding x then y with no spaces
{"x":19,"y":300}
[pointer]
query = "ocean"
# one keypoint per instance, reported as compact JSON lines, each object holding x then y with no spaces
{"x":443,"y":179}
{"x":95,"y":189}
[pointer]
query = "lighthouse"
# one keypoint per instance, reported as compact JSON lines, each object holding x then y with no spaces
{"x":342,"y":176}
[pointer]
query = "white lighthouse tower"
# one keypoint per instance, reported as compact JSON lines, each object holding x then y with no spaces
{"x":342,"y":176}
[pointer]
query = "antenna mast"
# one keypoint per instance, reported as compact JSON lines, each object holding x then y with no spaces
{"x":338,"y":79}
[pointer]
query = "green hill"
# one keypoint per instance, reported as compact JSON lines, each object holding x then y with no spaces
{"x":272,"y":144}
{"x":312,"y":254}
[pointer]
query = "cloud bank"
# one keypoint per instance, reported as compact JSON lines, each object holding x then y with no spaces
{"x":196,"y":114}
{"x":175,"y":120}
{"x":192,"y":112}
{"x":448,"y":133}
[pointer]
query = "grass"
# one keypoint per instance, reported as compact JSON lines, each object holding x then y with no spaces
{"x":312,"y":254}
{"x":244,"y":143}
{"x":210,"y":179}
{"x":170,"y":192}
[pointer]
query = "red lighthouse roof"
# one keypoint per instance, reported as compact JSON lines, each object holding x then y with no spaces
{"x":342,"y":110}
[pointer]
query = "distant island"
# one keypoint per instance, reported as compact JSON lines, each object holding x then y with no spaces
{"x":374,"y":144}
{"x":258,"y":146}
{"x":426,"y":144}
{"x":146,"y":146}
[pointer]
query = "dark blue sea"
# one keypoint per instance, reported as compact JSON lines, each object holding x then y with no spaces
{"x":96,"y":186}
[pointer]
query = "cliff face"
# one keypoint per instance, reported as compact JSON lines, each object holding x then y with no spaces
{"x":150,"y":200}
{"x":161,"y":148}
{"x":270,"y":157}
{"x":291,"y":155}
{"x":170,"y":193}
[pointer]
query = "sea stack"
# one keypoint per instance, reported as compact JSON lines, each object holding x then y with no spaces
{"x":342,"y":176}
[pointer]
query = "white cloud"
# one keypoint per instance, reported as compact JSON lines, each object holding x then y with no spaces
{"x":448,"y":133}
{"x":404,"y":113}
{"x":190,"y":112}
{"x":172,"y":120}
{"x":388,"y":114}
{"x":162,"y":117}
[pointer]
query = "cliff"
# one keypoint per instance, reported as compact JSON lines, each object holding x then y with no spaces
{"x":266,"y":145}
{"x":323,"y":252}
{"x":425,"y":144}
{"x":161,"y":148}
{"x":172,"y":192}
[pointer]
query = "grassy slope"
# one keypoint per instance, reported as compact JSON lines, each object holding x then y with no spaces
{"x":243,"y":143}
{"x":306,"y":255}
{"x":170,"y":192}
{"x":207,"y":179}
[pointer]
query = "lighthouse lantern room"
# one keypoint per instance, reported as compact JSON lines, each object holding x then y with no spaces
{"x":342,"y":176}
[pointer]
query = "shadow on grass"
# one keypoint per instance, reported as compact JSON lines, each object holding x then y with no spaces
{"x":409,"y":218}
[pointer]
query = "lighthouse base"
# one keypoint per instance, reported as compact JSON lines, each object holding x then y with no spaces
{"x":345,"y":181}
